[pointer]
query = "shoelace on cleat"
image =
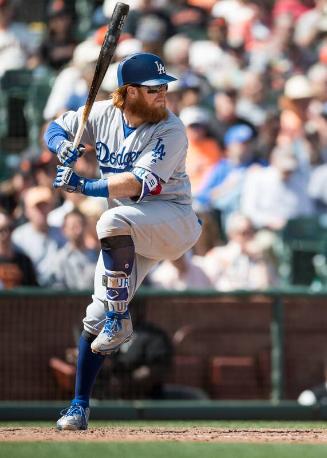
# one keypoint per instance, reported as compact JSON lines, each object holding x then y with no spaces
{"x":112,"y":323}
{"x":73,"y":410}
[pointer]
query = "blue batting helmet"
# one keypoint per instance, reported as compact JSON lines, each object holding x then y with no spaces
{"x":142,"y":68}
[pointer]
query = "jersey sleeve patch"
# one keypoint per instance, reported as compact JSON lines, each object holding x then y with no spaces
{"x":150,"y":182}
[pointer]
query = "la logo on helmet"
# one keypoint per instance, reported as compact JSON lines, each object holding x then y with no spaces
{"x":160,"y":67}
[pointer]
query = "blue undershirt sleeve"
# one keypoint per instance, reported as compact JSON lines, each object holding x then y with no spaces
{"x":54,"y":135}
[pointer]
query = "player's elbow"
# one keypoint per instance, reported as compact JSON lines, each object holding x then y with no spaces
{"x":124,"y":185}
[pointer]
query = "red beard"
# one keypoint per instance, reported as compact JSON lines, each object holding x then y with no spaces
{"x":146,"y":112}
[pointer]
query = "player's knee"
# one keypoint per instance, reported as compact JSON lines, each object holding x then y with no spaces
{"x":111,"y":224}
{"x":118,"y":241}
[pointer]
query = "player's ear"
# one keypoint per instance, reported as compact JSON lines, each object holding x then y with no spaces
{"x":132,"y":91}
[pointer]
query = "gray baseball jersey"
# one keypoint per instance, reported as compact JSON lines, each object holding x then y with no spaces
{"x":163,"y":226}
{"x":159,"y":148}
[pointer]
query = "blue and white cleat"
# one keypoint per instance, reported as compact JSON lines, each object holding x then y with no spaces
{"x":117,"y":330}
{"x":74,"y":418}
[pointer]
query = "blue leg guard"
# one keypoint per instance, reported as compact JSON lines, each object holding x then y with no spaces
{"x":118,"y":257}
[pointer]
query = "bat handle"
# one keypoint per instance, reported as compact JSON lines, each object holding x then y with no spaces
{"x":78,"y":136}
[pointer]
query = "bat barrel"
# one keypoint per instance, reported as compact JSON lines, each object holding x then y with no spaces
{"x":107,"y":51}
{"x":118,"y":16}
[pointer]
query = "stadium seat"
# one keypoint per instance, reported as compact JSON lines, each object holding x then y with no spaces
{"x":23,"y":94}
{"x":36,"y":99}
{"x":188,"y":370}
{"x":14,"y":89}
{"x":301,"y":240}
{"x":233,"y":377}
{"x":64,"y":375}
{"x":198,"y":362}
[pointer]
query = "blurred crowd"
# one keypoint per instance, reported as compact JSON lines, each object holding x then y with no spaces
{"x":252,"y":94}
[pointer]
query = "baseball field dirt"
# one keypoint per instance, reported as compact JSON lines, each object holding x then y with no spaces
{"x":164,"y":433}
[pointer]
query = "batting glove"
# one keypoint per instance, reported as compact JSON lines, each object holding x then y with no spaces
{"x":66,"y":154}
{"x":69,"y":181}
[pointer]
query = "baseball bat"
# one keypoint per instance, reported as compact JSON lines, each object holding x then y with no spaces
{"x":107,"y":51}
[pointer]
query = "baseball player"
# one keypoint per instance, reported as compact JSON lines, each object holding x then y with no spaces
{"x":141,"y":148}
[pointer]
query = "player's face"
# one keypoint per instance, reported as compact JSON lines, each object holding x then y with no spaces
{"x":155,"y":95}
{"x":149,"y":104}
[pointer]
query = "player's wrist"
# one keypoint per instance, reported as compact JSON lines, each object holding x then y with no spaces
{"x":60,"y":144}
{"x":95,"y":188}
{"x":72,"y":181}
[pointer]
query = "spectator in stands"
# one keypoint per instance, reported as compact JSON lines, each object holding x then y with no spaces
{"x":217,"y":31}
{"x":58,"y":46}
{"x":174,"y":95}
{"x":16,"y":269}
{"x":298,"y":121}
{"x":317,"y":188}
{"x":293,"y":8}
{"x":56,"y":216}
{"x":84,"y":59}
{"x":78,"y":96}
{"x":194,"y":89}
{"x":184,"y":273}
{"x":317,"y":394}
{"x":74,"y":264}
{"x":73,"y":79}
{"x":238,"y":14}
{"x":203,"y":150}
{"x":267,"y":135}
{"x":314,"y":395}
{"x":35,"y":238}
{"x":187,"y":19}
{"x":296,"y":127}
{"x":16,"y":42}
{"x":241,"y":263}
{"x":188,"y":91}
{"x":274,"y":194}
{"x":146,"y":14}
{"x":44,"y":168}
{"x":212,"y":233}
{"x":38,"y":165}
{"x":13,"y":187}
{"x":294,"y":105}
{"x":317,"y":76}
{"x":310,"y":24}
{"x":90,"y":207}
{"x":140,"y":368}
{"x":319,"y":126}
{"x":223,"y":187}
{"x":211,"y":59}
{"x":151,"y":31}
{"x":251,"y":104}
{"x":176,"y":53}
{"x":225,"y":103}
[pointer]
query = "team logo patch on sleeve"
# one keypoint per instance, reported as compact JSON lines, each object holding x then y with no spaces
{"x":158,"y":151}
{"x":150,"y":182}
